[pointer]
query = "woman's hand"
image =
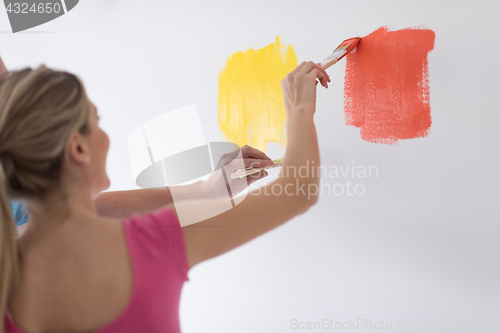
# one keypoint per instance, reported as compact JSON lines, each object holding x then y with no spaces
{"x":299,"y":86}
{"x":241,"y":158}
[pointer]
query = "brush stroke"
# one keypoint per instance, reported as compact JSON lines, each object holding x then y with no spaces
{"x":251,"y":109}
{"x":386,"y":87}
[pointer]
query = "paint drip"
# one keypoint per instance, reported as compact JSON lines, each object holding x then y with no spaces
{"x":386,"y":87}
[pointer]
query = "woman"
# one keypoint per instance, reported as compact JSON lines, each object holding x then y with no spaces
{"x":74,"y":271}
{"x":122,"y":204}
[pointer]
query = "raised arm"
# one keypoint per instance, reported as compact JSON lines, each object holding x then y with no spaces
{"x":264,"y":210}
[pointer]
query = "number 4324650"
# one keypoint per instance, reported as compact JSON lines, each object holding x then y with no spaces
{"x":35,"y":8}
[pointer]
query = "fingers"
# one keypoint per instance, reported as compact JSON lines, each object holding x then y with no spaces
{"x":307,"y":66}
{"x":256,"y":176}
{"x":297,"y":85}
{"x":310,"y":65}
{"x":292,"y":74}
{"x":251,"y":157}
{"x":299,"y":67}
{"x":257,"y":163}
{"x":248,"y":151}
{"x":318,"y":66}
{"x":320,"y":76}
{"x":228,"y":158}
{"x":311,"y":68}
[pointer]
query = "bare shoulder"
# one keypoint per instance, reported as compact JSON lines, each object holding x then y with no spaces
{"x":110,"y":225}
{"x":73,"y":253}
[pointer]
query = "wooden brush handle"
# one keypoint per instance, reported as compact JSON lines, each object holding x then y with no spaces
{"x":244,"y":173}
{"x":248,"y":172}
{"x":328,"y":62}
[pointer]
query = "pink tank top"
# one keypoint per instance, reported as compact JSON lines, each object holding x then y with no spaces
{"x":156,"y":246}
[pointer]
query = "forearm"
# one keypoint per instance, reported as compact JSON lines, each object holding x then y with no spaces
{"x":298,"y":188}
{"x":123,"y":204}
{"x":301,"y":162}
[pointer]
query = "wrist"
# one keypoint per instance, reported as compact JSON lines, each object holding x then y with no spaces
{"x":192,"y":191}
{"x":300,"y":114}
{"x":302,"y":109}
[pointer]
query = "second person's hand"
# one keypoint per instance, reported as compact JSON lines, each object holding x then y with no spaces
{"x":246,"y":157}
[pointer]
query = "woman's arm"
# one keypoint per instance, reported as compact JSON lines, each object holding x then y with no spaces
{"x":122,"y":204}
{"x":261,"y":212}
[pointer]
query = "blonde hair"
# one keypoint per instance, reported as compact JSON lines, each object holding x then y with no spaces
{"x":39,"y":110}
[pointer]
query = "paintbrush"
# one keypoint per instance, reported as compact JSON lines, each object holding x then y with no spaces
{"x":341,"y":51}
{"x":250,"y":171}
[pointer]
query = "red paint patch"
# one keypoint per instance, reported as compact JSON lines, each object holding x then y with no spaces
{"x":386,"y":91}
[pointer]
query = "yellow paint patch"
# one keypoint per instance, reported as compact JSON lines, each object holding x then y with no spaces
{"x":251,"y":107}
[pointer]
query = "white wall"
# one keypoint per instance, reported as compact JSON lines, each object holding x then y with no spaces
{"x":422,"y":243}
